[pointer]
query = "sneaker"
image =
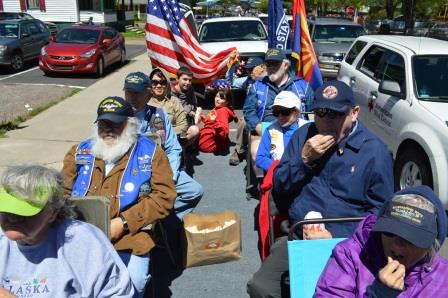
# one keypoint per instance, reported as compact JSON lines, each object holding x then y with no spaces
{"x":236,"y":158}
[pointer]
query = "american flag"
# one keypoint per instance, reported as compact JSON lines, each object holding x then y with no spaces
{"x":172,"y":44}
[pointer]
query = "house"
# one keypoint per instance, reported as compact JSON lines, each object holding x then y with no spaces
{"x":64,"y":12}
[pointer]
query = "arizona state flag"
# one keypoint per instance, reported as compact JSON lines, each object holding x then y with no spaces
{"x":302,"y":47}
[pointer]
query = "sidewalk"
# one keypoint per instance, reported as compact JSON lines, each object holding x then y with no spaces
{"x":46,"y":138}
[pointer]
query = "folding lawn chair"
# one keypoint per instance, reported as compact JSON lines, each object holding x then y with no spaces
{"x":307,"y":258}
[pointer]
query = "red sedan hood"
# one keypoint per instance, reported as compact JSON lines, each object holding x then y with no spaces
{"x":68,"y":49}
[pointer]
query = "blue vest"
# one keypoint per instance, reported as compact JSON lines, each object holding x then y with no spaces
{"x":298,"y":88}
{"x":136,"y":176}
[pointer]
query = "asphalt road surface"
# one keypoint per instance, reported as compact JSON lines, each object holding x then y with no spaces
{"x":33,"y":75}
{"x":224,"y":189}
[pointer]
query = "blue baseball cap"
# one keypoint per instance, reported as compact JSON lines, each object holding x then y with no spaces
{"x":253,"y":61}
{"x":334,"y":95}
{"x":115,"y":109}
{"x":416,"y":225}
{"x":137,"y":81}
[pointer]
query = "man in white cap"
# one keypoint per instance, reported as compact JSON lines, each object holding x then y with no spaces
{"x":286,"y":109}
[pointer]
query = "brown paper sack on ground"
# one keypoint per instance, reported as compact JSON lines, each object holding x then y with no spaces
{"x":212,"y":238}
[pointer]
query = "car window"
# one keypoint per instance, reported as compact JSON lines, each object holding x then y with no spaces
{"x":81,"y":36}
{"x":430,"y":75}
{"x":354,"y":51}
{"x":369,"y":64}
{"x":42,"y":27}
{"x":9,"y":30}
{"x":337,"y":33}
{"x":30,"y":28}
{"x":392,"y":68}
{"x":231,"y":31}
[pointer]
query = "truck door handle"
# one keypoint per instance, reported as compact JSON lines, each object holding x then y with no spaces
{"x":352,"y":80}
{"x":373,"y":94}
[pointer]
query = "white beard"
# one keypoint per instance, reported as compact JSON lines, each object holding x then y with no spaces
{"x":112,"y":153}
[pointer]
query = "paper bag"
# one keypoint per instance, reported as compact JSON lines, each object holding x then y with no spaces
{"x":212,"y":238}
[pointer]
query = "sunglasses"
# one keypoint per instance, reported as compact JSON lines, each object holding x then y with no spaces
{"x":273,"y":63}
{"x":283,"y":112}
{"x":332,"y":114}
{"x":159,"y":82}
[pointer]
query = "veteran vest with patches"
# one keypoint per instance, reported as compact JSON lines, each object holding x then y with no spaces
{"x":298,"y":88}
{"x":136,"y":176}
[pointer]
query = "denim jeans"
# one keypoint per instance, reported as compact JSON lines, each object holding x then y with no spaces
{"x":138,"y":267}
{"x":189,"y":193}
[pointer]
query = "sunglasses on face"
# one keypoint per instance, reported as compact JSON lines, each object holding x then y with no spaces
{"x":283,"y":112}
{"x":159,"y":82}
{"x":332,"y":114}
{"x":273,"y":63}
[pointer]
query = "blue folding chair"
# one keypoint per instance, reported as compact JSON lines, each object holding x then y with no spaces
{"x":307,"y":258}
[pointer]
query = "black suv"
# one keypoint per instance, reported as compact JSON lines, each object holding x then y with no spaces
{"x":21,"y":40}
{"x":331,"y":38}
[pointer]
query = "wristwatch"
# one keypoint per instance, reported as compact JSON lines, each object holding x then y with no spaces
{"x":125,"y":223}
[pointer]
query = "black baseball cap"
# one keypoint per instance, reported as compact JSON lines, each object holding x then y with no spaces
{"x":413,"y":224}
{"x":115,"y":109}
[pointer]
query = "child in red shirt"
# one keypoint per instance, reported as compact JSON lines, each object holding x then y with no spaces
{"x":214,"y":136}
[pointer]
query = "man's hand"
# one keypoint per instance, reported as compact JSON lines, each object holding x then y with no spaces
{"x":6,"y":294}
{"x":392,"y":275}
{"x":316,"y":146}
{"x":258,"y":129}
{"x":116,"y":228}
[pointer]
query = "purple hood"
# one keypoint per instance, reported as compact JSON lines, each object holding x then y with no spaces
{"x":355,"y":262}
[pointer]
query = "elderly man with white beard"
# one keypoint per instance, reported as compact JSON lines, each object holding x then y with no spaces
{"x":260,"y":96}
{"x":133,"y":172}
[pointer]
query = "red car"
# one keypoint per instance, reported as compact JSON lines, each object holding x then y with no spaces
{"x":83,"y":49}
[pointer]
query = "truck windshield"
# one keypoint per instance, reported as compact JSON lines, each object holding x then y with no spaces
{"x":232,"y":31}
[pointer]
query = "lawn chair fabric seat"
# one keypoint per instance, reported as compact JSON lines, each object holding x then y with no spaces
{"x":307,"y":258}
{"x":93,"y":210}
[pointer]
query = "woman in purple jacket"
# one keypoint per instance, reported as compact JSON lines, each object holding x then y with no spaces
{"x":394,"y":254}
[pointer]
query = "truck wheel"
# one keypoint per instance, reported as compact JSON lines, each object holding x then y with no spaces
{"x":412,"y":168}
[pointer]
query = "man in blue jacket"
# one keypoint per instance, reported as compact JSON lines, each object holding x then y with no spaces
{"x":156,"y":124}
{"x":260,"y":96}
{"x":334,"y":166}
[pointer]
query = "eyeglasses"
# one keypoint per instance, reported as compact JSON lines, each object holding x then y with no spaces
{"x":273,"y":63}
{"x":283,"y":112}
{"x":332,"y":114}
{"x":159,"y":82}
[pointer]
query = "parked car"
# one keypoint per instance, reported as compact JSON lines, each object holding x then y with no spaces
{"x":247,"y":34}
{"x":331,"y":38}
{"x":83,"y":49}
{"x":439,"y":31}
{"x":21,"y":40}
{"x":23,"y":15}
{"x":421,"y":28}
{"x":400,"y":83}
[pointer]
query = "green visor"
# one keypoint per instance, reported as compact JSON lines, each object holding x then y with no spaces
{"x":18,"y":206}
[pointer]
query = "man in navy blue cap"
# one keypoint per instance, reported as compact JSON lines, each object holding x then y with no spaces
{"x":133,"y":172}
{"x":260,"y":97}
{"x":335,"y":167}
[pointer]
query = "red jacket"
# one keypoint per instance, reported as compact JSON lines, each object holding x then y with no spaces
{"x":214,"y":136}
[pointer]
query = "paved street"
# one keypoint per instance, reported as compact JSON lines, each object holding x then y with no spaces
{"x":33,"y":75}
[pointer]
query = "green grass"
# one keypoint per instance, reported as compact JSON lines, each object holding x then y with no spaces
{"x":133,"y":35}
{"x":5,"y":127}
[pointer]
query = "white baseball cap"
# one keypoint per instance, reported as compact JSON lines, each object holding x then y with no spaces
{"x":287,"y":99}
